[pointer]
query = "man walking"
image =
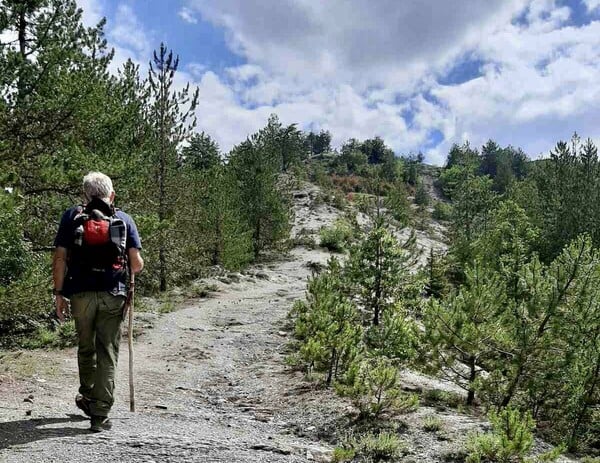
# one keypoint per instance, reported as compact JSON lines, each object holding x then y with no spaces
{"x":96,"y":245}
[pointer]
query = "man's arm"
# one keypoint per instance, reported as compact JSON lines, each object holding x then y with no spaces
{"x":136,"y":263}
{"x":59,"y":268}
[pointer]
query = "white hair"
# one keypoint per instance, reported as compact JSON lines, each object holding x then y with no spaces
{"x":97,"y":185}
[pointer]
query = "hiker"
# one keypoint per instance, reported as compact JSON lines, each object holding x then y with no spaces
{"x":95,"y":248}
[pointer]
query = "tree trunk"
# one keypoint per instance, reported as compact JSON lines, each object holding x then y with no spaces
{"x":162,"y":210}
{"x":513,"y":385}
{"x":585,"y":405}
{"x":378,"y":290}
{"x":472,"y":377}
{"x":331,"y":365}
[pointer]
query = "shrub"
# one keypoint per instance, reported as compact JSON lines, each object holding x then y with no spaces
{"x":384,"y":446}
{"x":327,"y":325}
{"x":373,"y":386}
{"x":421,"y":195}
{"x":510,"y":440}
{"x":337,"y":237}
{"x":14,"y":253}
{"x":432,"y":424}
{"x":441,"y":397}
{"x":442,"y":211}
{"x":398,"y":205}
{"x":63,"y":335}
{"x":349,"y":183}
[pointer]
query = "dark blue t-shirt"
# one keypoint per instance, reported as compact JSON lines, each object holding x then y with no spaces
{"x":65,"y":237}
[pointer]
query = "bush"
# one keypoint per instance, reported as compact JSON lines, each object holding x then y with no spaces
{"x":510,"y":440}
{"x":421,"y":195}
{"x":384,"y":446}
{"x":442,"y":211}
{"x":337,"y":237}
{"x":327,"y":325}
{"x":373,"y":386}
{"x":441,"y":397}
{"x":349,"y":183}
{"x":432,"y":424}
{"x":63,"y":335}
{"x":398,"y":205}
{"x":14,"y":251}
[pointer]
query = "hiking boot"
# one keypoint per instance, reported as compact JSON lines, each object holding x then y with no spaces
{"x":83,"y":404}
{"x":100,"y":423}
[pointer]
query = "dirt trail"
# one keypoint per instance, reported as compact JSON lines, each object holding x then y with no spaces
{"x":212,"y":383}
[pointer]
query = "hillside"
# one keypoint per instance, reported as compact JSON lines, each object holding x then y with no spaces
{"x":212,"y":382}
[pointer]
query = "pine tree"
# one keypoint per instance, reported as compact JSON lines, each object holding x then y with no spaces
{"x":201,"y":153}
{"x":265,"y":211}
{"x":462,"y":329}
{"x":169,"y":114}
{"x":328,"y":324}
{"x":378,"y":269}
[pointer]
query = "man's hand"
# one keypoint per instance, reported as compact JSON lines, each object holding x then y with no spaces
{"x":62,"y":308}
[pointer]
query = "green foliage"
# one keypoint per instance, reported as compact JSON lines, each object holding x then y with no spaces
{"x":336,"y":237}
{"x":352,"y":159}
{"x":432,"y":424}
{"x":451,"y":179}
{"x":464,"y":157}
{"x":59,"y":337}
{"x":265,"y":211}
{"x":168,"y":115}
{"x":439,"y":397}
{"x":327,"y":325}
{"x":503,"y":165}
{"x":201,"y":153}
{"x":422,"y":195}
{"x":378,"y":269}
{"x":462,"y":328}
{"x":396,"y":337}
{"x":510,"y":440}
{"x":568,"y":199}
{"x":442,"y":211}
{"x":436,"y":274}
{"x":318,"y":143}
{"x":397,"y":203}
{"x":62,"y":114}
{"x":15,"y":258}
{"x":472,"y":204}
{"x":373,"y":386}
{"x":371,"y":447}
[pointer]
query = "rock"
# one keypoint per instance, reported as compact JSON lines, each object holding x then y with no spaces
{"x":316,"y":452}
{"x":271,"y":448}
{"x":282,"y":333}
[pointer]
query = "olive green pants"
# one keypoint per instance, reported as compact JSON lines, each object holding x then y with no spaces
{"x":98,"y":316}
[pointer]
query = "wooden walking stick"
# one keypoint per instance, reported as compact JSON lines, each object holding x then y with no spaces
{"x":129,"y":307}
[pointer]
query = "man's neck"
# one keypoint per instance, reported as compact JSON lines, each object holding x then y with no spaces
{"x":103,"y":205}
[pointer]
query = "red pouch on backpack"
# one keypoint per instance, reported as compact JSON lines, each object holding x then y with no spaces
{"x":96,"y":232}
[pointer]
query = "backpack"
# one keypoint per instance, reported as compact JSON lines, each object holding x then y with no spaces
{"x":99,"y":244}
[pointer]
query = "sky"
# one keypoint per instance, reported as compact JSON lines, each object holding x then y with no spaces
{"x":421,"y":74}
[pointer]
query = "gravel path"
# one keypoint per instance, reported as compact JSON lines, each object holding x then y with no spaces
{"x":211,"y":382}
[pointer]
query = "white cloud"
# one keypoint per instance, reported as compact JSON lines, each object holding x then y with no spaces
{"x":92,"y":11}
{"x":360,"y":69}
{"x":592,"y":4}
{"x":128,"y":32}
{"x":359,"y":42}
{"x":187,"y":15}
